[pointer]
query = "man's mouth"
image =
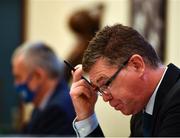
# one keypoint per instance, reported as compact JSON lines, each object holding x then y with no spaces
{"x":118,"y":107}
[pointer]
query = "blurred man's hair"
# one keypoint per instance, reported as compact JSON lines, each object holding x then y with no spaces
{"x":40,"y":55}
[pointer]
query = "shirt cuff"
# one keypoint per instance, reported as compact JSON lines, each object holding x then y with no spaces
{"x":86,"y":126}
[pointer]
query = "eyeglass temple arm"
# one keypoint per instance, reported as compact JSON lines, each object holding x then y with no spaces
{"x":113,"y":77}
{"x":73,"y":69}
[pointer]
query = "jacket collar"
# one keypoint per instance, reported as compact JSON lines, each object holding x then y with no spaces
{"x":170,"y":78}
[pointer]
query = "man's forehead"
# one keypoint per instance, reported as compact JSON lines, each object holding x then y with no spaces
{"x":100,"y":70}
{"x":18,"y":59}
{"x":19,"y":65}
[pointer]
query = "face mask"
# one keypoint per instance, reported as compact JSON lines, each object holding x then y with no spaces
{"x":26,"y":94}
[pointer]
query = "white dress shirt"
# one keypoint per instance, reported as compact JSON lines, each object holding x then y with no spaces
{"x":150,"y":105}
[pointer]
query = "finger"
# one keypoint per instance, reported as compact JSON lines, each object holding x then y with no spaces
{"x":80,"y":87}
{"x":77,"y":73}
{"x":81,"y":92}
{"x":80,"y":83}
{"x":78,"y":66}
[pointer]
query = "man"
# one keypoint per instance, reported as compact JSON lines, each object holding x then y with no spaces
{"x":126,"y":71}
{"x":38,"y":78}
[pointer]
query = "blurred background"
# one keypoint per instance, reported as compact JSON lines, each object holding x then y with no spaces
{"x":47,"y":20}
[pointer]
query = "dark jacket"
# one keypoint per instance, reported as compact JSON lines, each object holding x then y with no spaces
{"x":56,"y":118}
{"x":166,"y":112}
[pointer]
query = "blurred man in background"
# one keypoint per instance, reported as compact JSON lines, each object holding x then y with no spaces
{"x":38,"y":77}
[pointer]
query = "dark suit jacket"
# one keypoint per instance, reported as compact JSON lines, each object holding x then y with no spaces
{"x":166,"y":113}
{"x":56,"y":119}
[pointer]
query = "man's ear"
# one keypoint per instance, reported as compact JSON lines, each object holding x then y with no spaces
{"x":137,"y":63}
{"x":39,"y":74}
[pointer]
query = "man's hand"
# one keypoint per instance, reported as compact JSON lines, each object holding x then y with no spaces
{"x":82,"y":94}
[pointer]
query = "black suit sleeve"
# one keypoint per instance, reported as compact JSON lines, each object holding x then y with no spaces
{"x":169,"y":125}
{"x":136,"y":125}
{"x":96,"y":133}
{"x":54,"y":122}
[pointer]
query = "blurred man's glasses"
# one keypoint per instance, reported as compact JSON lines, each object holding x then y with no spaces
{"x":104,"y":89}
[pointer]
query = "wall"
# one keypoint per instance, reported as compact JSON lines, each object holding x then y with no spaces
{"x":173,"y":32}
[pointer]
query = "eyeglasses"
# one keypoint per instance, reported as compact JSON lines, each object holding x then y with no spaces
{"x":104,"y":88}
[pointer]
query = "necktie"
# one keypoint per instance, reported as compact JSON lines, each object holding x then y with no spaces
{"x":147,"y":124}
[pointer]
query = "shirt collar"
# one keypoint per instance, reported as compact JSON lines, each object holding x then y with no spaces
{"x":45,"y":101}
{"x":149,"y":107}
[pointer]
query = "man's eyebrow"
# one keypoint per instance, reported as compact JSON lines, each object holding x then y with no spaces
{"x":101,"y":78}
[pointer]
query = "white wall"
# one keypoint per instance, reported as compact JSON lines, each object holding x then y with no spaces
{"x":173,"y":32}
{"x":47,"y":21}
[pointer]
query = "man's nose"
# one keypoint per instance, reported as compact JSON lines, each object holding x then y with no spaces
{"x":107,"y":97}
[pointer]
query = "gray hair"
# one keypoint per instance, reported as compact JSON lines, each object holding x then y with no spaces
{"x":40,"y":55}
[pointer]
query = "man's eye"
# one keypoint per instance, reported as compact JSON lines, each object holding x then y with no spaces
{"x":103,"y":83}
{"x":102,"y":80}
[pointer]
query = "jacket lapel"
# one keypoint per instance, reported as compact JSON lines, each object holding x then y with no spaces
{"x":170,"y":78}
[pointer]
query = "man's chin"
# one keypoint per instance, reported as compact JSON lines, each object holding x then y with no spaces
{"x":126,"y":112}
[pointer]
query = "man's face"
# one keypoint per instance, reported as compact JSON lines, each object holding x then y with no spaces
{"x":22,"y":74}
{"x":125,"y":93}
{"x":20,"y":71}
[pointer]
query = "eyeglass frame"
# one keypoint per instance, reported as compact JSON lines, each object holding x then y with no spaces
{"x":101,"y":90}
